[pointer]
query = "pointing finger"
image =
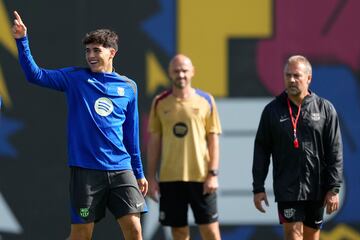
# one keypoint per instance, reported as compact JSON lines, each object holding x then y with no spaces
{"x":16,"y":22}
{"x":18,"y":18}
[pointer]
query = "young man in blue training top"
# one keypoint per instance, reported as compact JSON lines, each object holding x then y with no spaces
{"x":103,"y":134}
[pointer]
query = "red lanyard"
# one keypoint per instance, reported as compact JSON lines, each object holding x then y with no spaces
{"x":294,"y":122}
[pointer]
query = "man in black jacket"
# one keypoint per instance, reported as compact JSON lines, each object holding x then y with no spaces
{"x":300,"y":132}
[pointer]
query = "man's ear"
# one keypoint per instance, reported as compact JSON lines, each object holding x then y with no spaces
{"x":112,"y":52}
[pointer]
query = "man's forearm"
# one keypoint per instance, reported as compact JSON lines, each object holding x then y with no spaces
{"x":213,"y":146}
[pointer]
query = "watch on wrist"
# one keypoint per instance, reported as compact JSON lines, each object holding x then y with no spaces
{"x":213,"y":172}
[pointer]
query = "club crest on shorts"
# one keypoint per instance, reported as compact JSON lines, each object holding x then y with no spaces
{"x":84,"y":212}
{"x":289,"y":213}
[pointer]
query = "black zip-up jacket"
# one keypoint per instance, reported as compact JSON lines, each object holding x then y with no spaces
{"x":307,"y":172}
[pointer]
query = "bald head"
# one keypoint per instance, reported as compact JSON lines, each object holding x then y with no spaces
{"x":180,"y":58}
{"x":181,"y":71}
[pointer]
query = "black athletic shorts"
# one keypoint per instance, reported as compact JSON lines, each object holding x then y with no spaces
{"x":92,"y":191}
{"x":175,"y":197}
{"x":311,"y":213}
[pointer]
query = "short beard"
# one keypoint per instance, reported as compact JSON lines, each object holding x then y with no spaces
{"x":179,"y":85}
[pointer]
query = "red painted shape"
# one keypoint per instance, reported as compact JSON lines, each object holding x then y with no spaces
{"x":325,"y":31}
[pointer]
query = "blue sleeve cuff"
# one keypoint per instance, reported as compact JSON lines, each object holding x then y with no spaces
{"x":139,"y":173}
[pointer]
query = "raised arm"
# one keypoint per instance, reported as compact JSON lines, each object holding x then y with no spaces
{"x":19,"y":29}
{"x":54,"y":79}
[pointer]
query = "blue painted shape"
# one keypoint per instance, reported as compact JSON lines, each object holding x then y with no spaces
{"x":278,"y":229}
{"x":240,"y":233}
{"x":339,"y":85}
{"x":7,"y":128}
{"x":162,"y":27}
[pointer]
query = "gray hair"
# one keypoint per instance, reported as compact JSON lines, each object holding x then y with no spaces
{"x":299,"y":59}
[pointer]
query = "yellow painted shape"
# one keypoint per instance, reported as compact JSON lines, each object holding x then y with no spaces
{"x":7,"y":40}
{"x":3,"y":90}
{"x":6,"y":37}
{"x":156,"y":76}
{"x":340,"y":232}
{"x":205,"y":27}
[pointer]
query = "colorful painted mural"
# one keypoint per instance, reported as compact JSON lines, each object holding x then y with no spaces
{"x":238,"y":49}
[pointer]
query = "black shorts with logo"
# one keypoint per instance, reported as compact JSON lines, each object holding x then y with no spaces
{"x":92,"y":191}
{"x":175,"y":198}
{"x":311,"y":213}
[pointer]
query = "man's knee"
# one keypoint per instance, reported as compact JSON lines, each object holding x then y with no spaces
{"x":293,"y":231}
{"x":131,"y":226}
{"x":81,"y":231}
{"x":180,"y":233}
{"x":210,"y":231}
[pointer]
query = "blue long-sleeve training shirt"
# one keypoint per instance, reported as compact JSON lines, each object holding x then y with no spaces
{"x":103,"y":122}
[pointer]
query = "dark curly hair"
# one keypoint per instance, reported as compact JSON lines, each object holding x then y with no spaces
{"x":105,"y":37}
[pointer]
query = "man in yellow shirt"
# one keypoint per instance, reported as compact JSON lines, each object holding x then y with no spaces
{"x":184,"y":131}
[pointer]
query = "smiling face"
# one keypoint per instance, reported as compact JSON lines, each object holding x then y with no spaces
{"x":99,"y":58}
